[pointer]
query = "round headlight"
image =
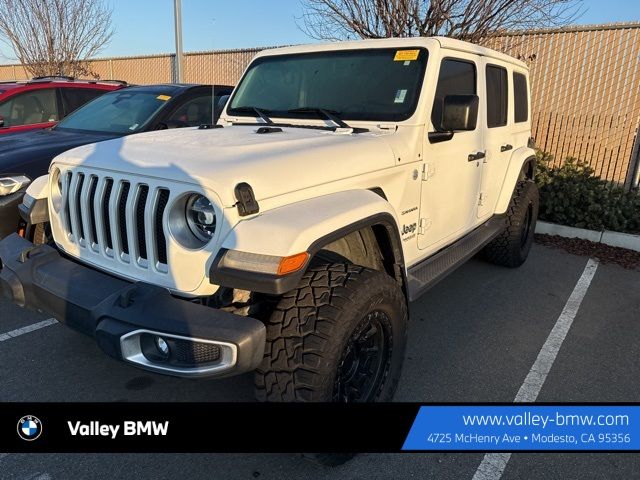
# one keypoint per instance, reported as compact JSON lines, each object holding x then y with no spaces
{"x":201,"y":217}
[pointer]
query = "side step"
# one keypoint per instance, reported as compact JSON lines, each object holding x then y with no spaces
{"x":427,"y":273}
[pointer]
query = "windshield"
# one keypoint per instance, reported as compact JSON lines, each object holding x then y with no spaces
{"x":119,"y":112}
{"x":374,"y":84}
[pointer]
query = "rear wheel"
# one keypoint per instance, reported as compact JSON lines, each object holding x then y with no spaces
{"x":511,"y":248}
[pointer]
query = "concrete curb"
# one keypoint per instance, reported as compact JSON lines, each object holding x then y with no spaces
{"x":614,"y":239}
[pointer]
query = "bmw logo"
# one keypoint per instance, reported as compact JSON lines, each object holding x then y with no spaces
{"x":29,"y":428}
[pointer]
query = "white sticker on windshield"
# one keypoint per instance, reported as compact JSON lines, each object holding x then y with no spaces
{"x":134,"y":126}
{"x":400,"y":95}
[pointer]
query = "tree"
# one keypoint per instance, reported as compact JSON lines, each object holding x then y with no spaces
{"x":470,"y":20}
{"x":55,"y":37}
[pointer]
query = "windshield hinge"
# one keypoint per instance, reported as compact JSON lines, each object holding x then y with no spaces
{"x":424,"y":224}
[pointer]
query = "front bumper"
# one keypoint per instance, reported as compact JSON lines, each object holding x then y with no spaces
{"x":126,"y":319}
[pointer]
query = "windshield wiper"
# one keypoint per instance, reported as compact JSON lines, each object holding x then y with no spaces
{"x":328,"y":114}
{"x":262,"y":113}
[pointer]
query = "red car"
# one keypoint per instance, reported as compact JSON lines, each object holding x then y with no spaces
{"x":42,"y":102}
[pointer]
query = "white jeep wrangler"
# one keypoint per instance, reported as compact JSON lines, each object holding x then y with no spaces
{"x":342,"y":181}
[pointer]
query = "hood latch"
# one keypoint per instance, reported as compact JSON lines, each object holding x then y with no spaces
{"x":247,"y":203}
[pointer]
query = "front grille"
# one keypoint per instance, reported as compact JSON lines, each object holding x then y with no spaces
{"x":93,"y":181}
{"x":67,"y":207}
{"x":106,"y":214}
{"x":111,"y":217}
{"x":194,"y":352}
{"x":140,"y":204}
{"x":122,"y":220}
{"x":77,"y":199}
{"x":163,"y":198}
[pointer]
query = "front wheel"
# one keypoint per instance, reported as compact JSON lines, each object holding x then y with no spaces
{"x":511,"y":248}
{"x":340,"y":336}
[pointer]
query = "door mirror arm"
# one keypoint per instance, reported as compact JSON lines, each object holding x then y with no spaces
{"x":437,"y":137}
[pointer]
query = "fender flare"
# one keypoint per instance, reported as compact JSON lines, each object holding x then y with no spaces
{"x":305,"y":226}
{"x":34,"y":208}
{"x":38,"y":189}
{"x":519,"y":159}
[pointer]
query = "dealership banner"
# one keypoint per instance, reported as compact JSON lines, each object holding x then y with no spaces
{"x":525,"y":427}
{"x":327,"y":427}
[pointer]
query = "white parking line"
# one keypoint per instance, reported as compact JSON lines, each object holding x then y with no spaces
{"x":27,"y":329}
{"x":493,"y":464}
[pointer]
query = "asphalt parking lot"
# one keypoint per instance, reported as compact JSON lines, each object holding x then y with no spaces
{"x":473,"y":338}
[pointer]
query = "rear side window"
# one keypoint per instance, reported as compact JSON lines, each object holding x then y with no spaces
{"x":74,"y":98}
{"x":496,"y":96}
{"x":521,"y":98}
{"x":195,"y":111}
{"x":456,"y":77}
{"x":28,"y":108}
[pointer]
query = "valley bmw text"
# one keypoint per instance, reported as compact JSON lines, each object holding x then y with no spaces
{"x":127,"y":428}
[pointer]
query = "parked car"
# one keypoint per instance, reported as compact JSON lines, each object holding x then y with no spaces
{"x":25,"y":156}
{"x":42,"y":102}
{"x":346,"y":180}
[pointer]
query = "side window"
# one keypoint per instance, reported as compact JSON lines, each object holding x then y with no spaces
{"x":5,"y":110}
{"x":74,"y":98}
{"x":497,"y":96}
{"x":37,"y":106}
{"x":521,"y":97}
{"x":220,"y":101}
{"x":194,"y":112}
{"x":457,"y":77}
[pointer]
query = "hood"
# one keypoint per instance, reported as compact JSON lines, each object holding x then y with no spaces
{"x":31,"y":152}
{"x":219,"y":159}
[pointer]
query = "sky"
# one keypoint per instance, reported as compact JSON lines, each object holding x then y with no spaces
{"x":146,"y":26}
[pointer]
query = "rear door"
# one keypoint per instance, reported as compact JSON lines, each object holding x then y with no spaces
{"x":497,"y":123}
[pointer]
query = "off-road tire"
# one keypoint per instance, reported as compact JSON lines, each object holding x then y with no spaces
{"x":512,"y":246}
{"x":309,"y":330}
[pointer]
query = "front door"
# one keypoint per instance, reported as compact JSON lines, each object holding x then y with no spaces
{"x":451,"y":178}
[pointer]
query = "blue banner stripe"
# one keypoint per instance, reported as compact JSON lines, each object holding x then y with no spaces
{"x":525,"y":427}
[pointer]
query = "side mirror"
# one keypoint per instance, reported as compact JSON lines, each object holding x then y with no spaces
{"x":459,"y":113}
{"x":1,"y":121}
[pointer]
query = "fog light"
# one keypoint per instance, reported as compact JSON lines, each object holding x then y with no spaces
{"x":162,"y":346}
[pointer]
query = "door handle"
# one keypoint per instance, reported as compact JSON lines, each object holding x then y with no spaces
{"x":476,"y":156}
{"x":506,"y":147}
